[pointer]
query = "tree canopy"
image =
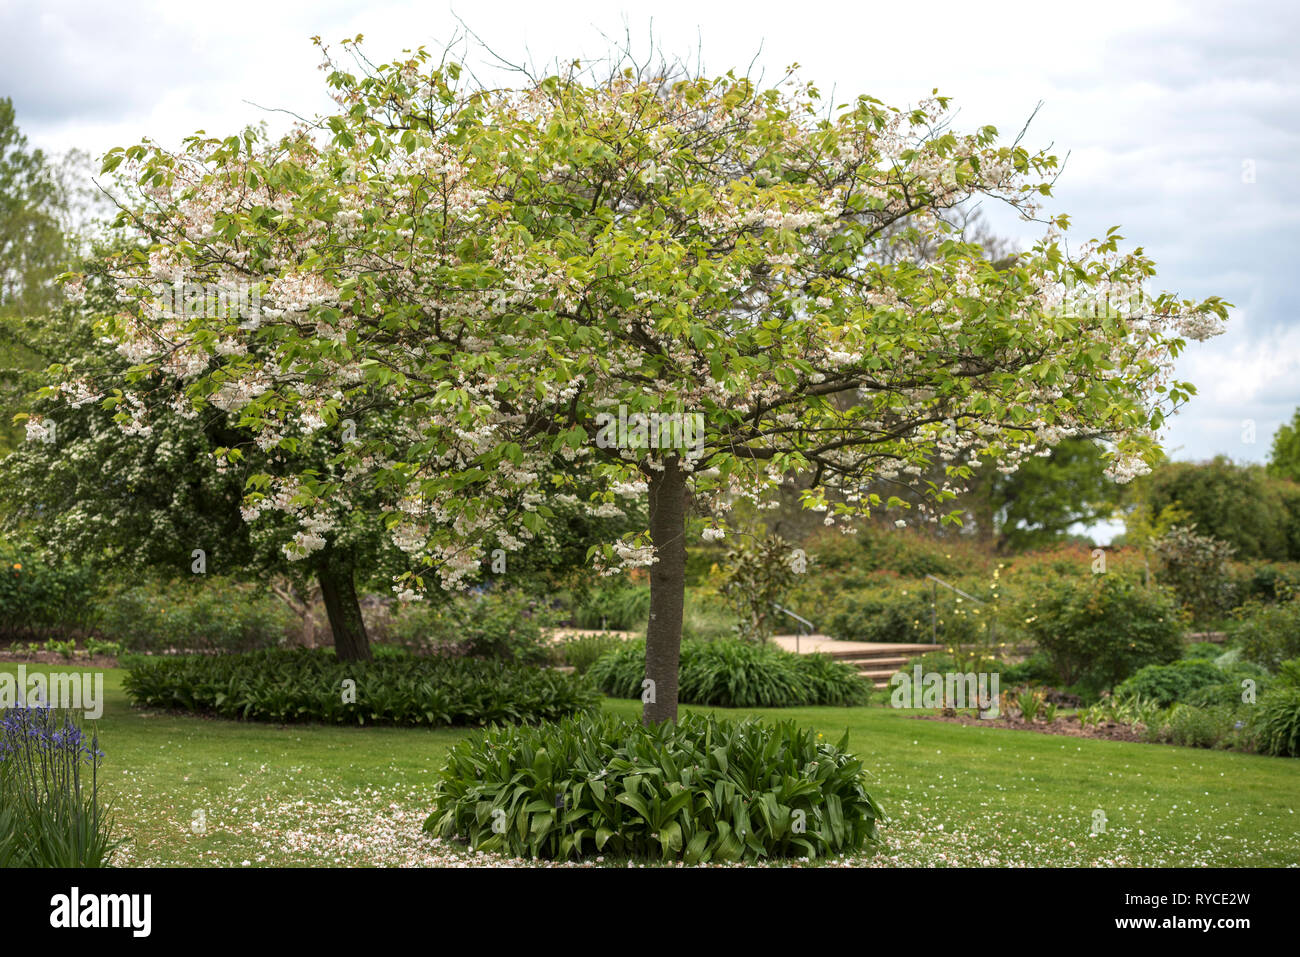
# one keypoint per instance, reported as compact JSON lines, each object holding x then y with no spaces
{"x":478,"y":279}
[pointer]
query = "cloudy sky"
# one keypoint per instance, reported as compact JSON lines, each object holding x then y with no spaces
{"x":1181,"y":120}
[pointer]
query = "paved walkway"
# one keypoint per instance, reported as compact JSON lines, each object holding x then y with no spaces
{"x":809,"y":644}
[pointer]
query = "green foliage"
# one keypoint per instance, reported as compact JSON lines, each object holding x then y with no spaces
{"x":51,"y":814}
{"x":1276,"y":718}
{"x":758,"y":574}
{"x":853,"y":560}
{"x":705,"y":618}
{"x":39,"y":599}
{"x":501,"y":624}
{"x":204,"y":613}
{"x":304,"y":685}
{"x":1165,"y":684}
{"x":1036,"y":669}
{"x":1040,"y":501}
{"x":1284,"y":456}
{"x":901,"y":611}
{"x":733,"y":674}
{"x":582,"y":651}
{"x":1196,"y":567}
{"x":1191,"y":726}
{"x":1237,"y":504}
{"x":616,"y":604}
{"x":1202,"y":649}
{"x":1099,"y":629}
{"x":1268,"y":633}
{"x":699,"y":790}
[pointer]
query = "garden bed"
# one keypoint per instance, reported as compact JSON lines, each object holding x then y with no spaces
{"x":1067,"y":725}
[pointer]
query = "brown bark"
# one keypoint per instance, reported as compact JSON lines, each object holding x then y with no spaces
{"x":663,"y":643}
{"x":338,"y":589}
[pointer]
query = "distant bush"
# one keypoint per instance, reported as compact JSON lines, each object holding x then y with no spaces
{"x":308,"y":685}
{"x":502,"y":624}
{"x":1268,"y":633}
{"x":618,"y":605}
{"x":40,"y":600}
{"x":698,"y":790}
{"x":1200,"y":727}
{"x":1196,"y":567}
{"x":1276,"y":718}
{"x":1035,"y":670}
{"x":1099,"y":629}
{"x":207,"y":614}
{"x":902,"y":611}
{"x":734,"y":674}
{"x":1165,"y":684}
{"x":580,"y":652}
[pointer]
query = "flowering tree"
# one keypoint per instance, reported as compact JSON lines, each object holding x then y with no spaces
{"x":488,"y":281}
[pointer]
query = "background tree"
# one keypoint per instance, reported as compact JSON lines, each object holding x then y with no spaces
{"x":1284,"y":457}
{"x":45,"y":205}
{"x":1046,"y":496}
{"x":499,"y":269}
{"x":1237,"y":504}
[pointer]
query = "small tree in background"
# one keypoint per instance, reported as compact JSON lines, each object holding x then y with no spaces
{"x":725,"y":269}
{"x":758,"y":574}
{"x":1196,"y":567}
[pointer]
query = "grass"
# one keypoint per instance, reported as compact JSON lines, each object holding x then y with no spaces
{"x":957,"y":795}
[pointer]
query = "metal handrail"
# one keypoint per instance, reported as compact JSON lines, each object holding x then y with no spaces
{"x":954,"y":588}
{"x":810,"y":627}
{"x":934,"y":606}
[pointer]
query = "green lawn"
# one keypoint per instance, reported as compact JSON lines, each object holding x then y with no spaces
{"x":956,"y":795}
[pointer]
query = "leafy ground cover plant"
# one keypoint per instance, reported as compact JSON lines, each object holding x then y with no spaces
{"x":50,"y":816}
{"x":734,"y":674}
{"x":501,"y":624}
{"x":699,"y":790}
{"x":1165,"y":684}
{"x":314,"y":685}
{"x":580,"y":652}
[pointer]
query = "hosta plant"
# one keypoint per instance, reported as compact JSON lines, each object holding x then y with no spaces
{"x":302,"y":685}
{"x":734,"y":674}
{"x":700,"y":790}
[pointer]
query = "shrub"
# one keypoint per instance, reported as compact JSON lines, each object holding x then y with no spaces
{"x":1034,"y":670}
{"x":582,"y":651}
{"x":619,"y":605}
{"x":902,"y":612}
{"x":1165,"y":684}
{"x":207,"y":614}
{"x":1277,"y":722}
{"x":758,"y":574}
{"x":1099,"y":629}
{"x":1196,"y":567}
{"x":705,"y":618}
{"x":1199,"y":727}
{"x":503,"y":625}
{"x":1202,"y":649}
{"x":1267,"y":633}
{"x":49,"y":815}
{"x":1276,"y":719}
{"x":41,"y":600}
{"x":733,"y":674}
{"x":701,"y":789}
{"x":308,"y":685}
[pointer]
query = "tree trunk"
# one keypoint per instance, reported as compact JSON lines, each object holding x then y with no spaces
{"x":663,"y":643}
{"x":340,"y":594}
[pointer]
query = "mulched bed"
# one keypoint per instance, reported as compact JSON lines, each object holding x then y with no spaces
{"x":56,"y":658}
{"x":1067,"y":725}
